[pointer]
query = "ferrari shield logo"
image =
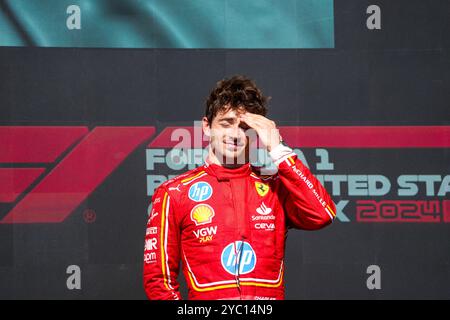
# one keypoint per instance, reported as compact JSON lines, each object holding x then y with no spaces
{"x":261,"y":188}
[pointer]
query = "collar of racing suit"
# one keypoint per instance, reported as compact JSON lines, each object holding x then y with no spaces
{"x":223,"y":173}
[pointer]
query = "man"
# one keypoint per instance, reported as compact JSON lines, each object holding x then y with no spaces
{"x":224,"y":220}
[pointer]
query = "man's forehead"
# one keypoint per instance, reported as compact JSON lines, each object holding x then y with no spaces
{"x":229,"y":113}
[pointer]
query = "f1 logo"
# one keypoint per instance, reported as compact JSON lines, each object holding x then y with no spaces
{"x":53,"y":169}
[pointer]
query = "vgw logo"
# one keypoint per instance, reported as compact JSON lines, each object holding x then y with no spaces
{"x":46,"y":172}
{"x":238,"y":258}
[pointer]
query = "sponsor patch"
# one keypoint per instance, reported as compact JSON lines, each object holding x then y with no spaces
{"x":151,"y":230}
{"x":258,"y":218}
{"x":265,"y":226}
{"x":153,"y":215}
{"x":238,"y":258}
{"x":200,"y":191}
{"x":202,"y":214}
{"x":150,"y":244}
{"x":264,"y":298}
{"x":150,"y":257}
{"x":263,"y":209}
{"x":205,"y":234}
{"x":177,"y":188}
{"x":261,"y":188}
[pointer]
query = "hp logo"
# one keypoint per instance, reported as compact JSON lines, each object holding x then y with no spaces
{"x":238,"y":258}
{"x":200,"y":191}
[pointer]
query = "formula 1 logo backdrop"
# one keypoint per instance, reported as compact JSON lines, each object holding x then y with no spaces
{"x":345,"y":160}
{"x":47,"y":171}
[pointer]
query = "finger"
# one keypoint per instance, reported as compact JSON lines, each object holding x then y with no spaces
{"x":257,"y":118}
{"x":261,"y":123}
{"x":252,"y":123}
{"x":249,"y":115}
{"x":244,"y":125}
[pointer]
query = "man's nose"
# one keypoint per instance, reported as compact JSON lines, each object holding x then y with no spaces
{"x":237,"y":131}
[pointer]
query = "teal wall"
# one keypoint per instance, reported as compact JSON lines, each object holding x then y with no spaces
{"x":170,"y":23}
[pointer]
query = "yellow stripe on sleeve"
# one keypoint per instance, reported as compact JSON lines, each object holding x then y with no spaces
{"x":163,"y":253}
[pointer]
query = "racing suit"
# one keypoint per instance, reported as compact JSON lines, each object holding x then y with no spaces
{"x":229,"y":226}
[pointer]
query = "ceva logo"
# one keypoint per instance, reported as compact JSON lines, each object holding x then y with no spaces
{"x":47,"y":171}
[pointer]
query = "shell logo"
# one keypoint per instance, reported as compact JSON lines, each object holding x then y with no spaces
{"x":202,"y":214}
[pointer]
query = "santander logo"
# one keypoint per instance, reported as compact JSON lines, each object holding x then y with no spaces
{"x":263,"y":209}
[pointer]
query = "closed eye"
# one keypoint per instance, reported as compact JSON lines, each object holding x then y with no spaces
{"x":244,"y":126}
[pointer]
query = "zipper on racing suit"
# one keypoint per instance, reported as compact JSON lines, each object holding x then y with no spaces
{"x":238,"y":187}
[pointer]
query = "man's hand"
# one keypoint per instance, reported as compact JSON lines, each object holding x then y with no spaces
{"x":265,"y":128}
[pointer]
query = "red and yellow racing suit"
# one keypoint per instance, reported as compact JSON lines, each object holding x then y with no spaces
{"x":228,"y":227}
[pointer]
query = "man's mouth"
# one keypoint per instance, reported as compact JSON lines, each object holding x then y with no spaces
{"x":231,"y":145}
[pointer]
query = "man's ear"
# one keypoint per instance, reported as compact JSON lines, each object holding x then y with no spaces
{"x":206,"y":127}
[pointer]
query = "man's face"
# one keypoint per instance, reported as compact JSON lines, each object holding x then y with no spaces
{"x":228,"y":140}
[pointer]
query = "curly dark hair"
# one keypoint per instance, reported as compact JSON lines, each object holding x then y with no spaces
{"x":235,"y":93}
